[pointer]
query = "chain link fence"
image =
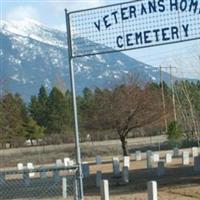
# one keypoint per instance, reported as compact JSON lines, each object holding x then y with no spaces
{"x":39,"y":183}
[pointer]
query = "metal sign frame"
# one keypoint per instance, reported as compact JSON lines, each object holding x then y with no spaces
{"x":71,"y":67}
{"x":125,"y":49}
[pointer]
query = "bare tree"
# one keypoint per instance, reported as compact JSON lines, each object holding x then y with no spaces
{"x":128,"y":107}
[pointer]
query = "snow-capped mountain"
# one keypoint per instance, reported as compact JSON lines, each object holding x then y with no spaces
{"x":32,"y":54}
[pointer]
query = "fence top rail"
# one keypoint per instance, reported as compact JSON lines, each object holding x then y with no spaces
{"x":39,"y":169}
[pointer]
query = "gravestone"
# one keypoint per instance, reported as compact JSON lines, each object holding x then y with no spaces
{"x":98,"y":160}
{"x":161,"y":168}
{"x":98,"y":178}
{"x":138,"y":155}
{"x":64,"y":187}
{"x":195,"y":151}
{"x":66,"y":161}
{"x":185,"y":158}
{"x":116,"y":166}
{"x":176,"y":152}
{"x":152,"y":190}
{"x":149,"y":160}
{"x":156,"y":157}
{"x":126,"y":161}
{"x":197,"y":164}
{"x":168,"y":158}
{"x":125,"y":175}
{"x":20,"y":166}
{"x":59,"y":163}
{"x":104,"y":189}
{"x":85,"y":169}
{"x":71,"y":163}
{"x":30,"y":166}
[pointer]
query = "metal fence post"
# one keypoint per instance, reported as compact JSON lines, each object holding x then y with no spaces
{"x":71,"y":69}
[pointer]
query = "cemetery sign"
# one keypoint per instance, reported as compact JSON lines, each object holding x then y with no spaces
{"x":133,"y":25}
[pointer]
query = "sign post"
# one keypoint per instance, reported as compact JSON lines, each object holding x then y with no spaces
{"x":71,"y":69}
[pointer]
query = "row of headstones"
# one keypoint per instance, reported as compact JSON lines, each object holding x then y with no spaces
{"x":43,"y":172}
{"x":151,"y":190}
{"x":138,"y":155}
{"x":151,"y":157}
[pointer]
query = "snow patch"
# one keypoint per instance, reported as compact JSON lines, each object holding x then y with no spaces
{"x":15,"y":77}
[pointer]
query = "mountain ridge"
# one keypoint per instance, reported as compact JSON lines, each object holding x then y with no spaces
{"x":40,"y":57}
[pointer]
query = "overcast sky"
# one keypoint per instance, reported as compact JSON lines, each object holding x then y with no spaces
{"x":185,"y":56}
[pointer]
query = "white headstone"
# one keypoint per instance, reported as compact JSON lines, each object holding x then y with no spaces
{"x":59,"y":163}
{"x":64,"y":187}
{"x":85,"y":169}
{"x":197,"y":164}
{"x":185,"y":158}
{"x":30,"y":166}
{"x":168,"y":158}
{"x":20,"y":166}
{"x":149,"y":161}
{"x":71,"y":163}
{"x":98,"y":160}
{"x":126,"y":161}
{"x":161,"y":168}
{"x":156,"y":157}
{"x":66,"y":161}
{"x":195,"y":151}
{"x":125,"y":175}
{"x":152,"y":190}
{"x":98,"y":178}
{"x":138,"y":155}
{"x":104,"y":190}
{"x":176,"y":152}
{"x":149,"y":153}
{"x":116,"y":166}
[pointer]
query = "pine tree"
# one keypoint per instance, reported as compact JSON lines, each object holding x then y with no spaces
{"x":56,"y":113}
{"x":14,"y":116}
{"x":37,"y":107}
{"x":33,"y":130}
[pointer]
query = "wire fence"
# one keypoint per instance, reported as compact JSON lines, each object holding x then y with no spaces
{"x":39,"y":183}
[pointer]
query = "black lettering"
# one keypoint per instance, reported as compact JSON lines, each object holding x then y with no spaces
{"x":173,"y":5}
{"x":194,"y":6}
{"x":128,"y":39}
{"x":123,"y":13}
{"x":143,"y":9}
{"x":115,"y":16}
{"x":164,"y":34}
{"x":185,"y":29}
{"x":132,"y":11}
{"x":174,"y":32}
{"x":105,"y":19}
{"x":97,"y":25}
{"x":146,"y":37}
{"x":152,"y":6}
{"x":183,"y":5}
{"x":120,"y":41}
{"x":161,"y":5}
{"x":138,"y":38}
{"x":156,"y":34}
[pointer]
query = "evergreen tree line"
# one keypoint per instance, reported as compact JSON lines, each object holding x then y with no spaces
{"x":128,"y":109}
